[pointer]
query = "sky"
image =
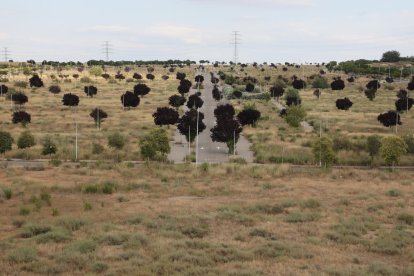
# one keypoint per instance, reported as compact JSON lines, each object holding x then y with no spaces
{"x":276,"y":31}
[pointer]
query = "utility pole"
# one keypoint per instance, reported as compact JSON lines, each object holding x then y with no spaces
{"x":6,"y":53}
{"x":235,"y":43}
{"x":198,"y":112}
{"x":107,"y":49}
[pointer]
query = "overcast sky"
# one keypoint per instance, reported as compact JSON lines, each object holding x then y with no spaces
{"x":271,"y":30}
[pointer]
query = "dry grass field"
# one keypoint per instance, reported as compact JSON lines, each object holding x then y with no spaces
{"x":229,"y":219}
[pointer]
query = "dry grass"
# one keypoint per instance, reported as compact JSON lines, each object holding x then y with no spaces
{"x":230,"y":219}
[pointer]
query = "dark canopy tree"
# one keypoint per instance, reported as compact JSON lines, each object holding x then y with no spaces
{"x":199,"y":79}
{"x":98,"y":116}
{"x":224,"y":111}
{"x":21,"y":117}
{"x":90,"y":90}
{"x":70,"y":99}
{"x":391,"y":56}
{"x":150,"y":76}
{"x":402,"y":94}
{"x":237,"y":94}
{"x":371,"y":94}
{"x":338,"y":84}
{"x":390,"y":118}
{"x":410,"y":85}
{"x":248,"y":116}
{"x":404,"y":104}
{"x":176,"y":101}
{"x":389,"y":79}
{"x":373,"y":85}
{"x":165,"y":116}
{"x":194,"y":102}
{"x":130,"y":99}
{"x":184,"y":87}
{"x":317,"y":93}
{"x":137,"y":76}
{"x":249,"y":87}
{"x":105,"y":76}
{"x":19,"y":98}
{"x":350,"y":79}
{"x":226,"y":131}
{"x":216,"y":93}
{"x":3,"y":89}
{"x":35,"y":81}
{"x":119,"y":76}
{"x":187,"y":124}
{"x":165,"y":77}
{"x":343,"y":104}
{"x":54,"y":89}
{"x":299,"y":84}
{"x":277,"y":91}
{"x":141,"y":89}
{"x":180,"y":76}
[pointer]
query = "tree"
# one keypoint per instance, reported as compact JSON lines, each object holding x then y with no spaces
{"x":21,"y":117}
{"x":105,"y":76}
{"x":292,"y":97}
{"x":338,"y":84}
{"x":373,"y":85}
{"x":165,"y":116}
{"x":155,"y":145}
{"x":176,"y":101}
{"x":299,"y":84}
{"x":49,"y":147}
{"x":391,"y":56}
{"x":249,"y":87}
{"x":391,"y":150}
{"x":224,"y":111}
{"x":370,"y":94}
{"x":116,"y":141}
{"x":54,"y":89}
{"x":295,"y":114}
{"x":194,"y":102}
{"x":90,"y":90}
{"x":390,"y":118}
{"x":98,"y":116}
{"x":248,"y":116}
{"x":317,"y":93}
{"x":216,"y":93}
{"x":137,"y":76}
{"x":323,"y":151}
{"x":35,"y":81}
{"x":70,"y":100}
{"x":3,"y":89}
{"x":96,"y":71}
{"x":150,"y":76}
{"x":404,"y":104}
{"x":277,"y":91}
{"x":320,"y":82}
{"x":141,"y":89}
{"x":6,"y":141}
{"x":25,"y":140}
{"x":165,"y":77}
{"x":187,"y":124}
{"x":180,"y":76}
{"x":119,"y":76}
{"x":343,"y":104}
{"x":226,"y":131}
{"x":373,"y":146}
{"x":129,"y":100}
{"x":184,"y":87}
{"x":410,"y":85}
{"x":18,"y":98}
{"x":199,"y":79}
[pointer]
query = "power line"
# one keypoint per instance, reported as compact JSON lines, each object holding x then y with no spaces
{"x":235,"y":43}
{"x":6,"y":53}
{"x":107,"y":49}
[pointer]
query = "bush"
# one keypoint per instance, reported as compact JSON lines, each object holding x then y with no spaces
{"x":23,"y":255}
{"x":323,"y":151}
{"x":7,"y":193}
{"x":97,"y":148}
{"x":409,"y":140}
{"x":295,"y":115}
{"x":155,"y":144}
{"x":406,"y":218}
{"x":21,"y":84}
{"x":26,"y":140}
{"x":6,"y":141}
{"x":31,"y":230}
{"x":108,"y":188}
{"x":320,"y":82}
{"x":87,"y":206}
{"x":83,"y":246}
{"x":393,"y":193}
{"x":91,"y":189}
{"x":116,"y":140}
{"x":24,"y":211}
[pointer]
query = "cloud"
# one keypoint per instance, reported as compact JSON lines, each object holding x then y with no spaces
{"x":107,"y":29}
{"x":183,"y":33}
{"x":267,"y":3}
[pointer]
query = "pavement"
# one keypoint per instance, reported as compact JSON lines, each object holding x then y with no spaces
{"x":208,"y":151}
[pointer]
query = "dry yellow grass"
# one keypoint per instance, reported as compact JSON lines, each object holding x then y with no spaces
{"x":241,"y":219}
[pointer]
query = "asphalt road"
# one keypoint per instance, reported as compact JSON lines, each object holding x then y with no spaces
{"x":208,"y":151}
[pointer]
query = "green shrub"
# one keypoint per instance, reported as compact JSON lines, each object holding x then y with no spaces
{"x":57,"y":235}
{"x":83,"y":246}
{"x":24,"y":211}
{"x":71,"y":224}
{"x":108,"y":188}
{"x":393,"y":193}
{"x":297,"y":217}
{"x":320,"y":82}
{"x":391,"y":243}
{"x":87,"y":206}
{"x":310,"y":203}
{"x":406,"y":218}
{"x":21,"y":84}
{"x":46,"y":197}
{"x":31,"y":230}
{"x":23,"y":255}
{"x":295,"y":115}
{"x":91,"y":189}
{"x":7,"y":193}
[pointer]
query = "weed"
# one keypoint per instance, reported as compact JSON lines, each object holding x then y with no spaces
{"x":297,"y":217}
{"x":7,"y":193}
{"x":394,"y":193}
{"x":23,"y":255}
